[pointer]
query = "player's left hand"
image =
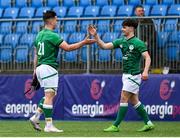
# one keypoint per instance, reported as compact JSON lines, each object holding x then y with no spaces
{"x":144,"y":76}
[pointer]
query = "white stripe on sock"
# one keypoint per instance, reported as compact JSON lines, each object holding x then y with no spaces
{"x":137,"y":105}
{"x":124,"y":104}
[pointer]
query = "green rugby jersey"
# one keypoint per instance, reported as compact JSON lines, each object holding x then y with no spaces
{"x":132,"y":50}
{"x":47,"y":45}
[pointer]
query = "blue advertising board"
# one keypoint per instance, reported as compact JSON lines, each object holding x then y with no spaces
{"x":91,"y":97}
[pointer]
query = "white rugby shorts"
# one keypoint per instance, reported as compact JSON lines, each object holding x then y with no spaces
{"x":47,"y":77}
{"x":131,"y":83}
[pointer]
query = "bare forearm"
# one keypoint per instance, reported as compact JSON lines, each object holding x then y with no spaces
{"x":35,"y":61}
{"x":147,"y":64}
{"x":76,"y":46}
{"x":100,"y":42}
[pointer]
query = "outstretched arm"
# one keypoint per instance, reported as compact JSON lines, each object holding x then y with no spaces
{"x":147,"y":65}
{"x":93,"y":32}
{"x":69,"y":47}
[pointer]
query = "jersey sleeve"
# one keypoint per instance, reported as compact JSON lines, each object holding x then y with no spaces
{"x":142,"y":47}
{"x":117,"y":43}
{"x":56,"y":40}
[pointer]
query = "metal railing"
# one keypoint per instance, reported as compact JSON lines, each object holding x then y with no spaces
{"x":164,"y":46}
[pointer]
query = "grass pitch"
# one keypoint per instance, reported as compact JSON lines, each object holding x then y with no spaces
{"x":88,"y":129}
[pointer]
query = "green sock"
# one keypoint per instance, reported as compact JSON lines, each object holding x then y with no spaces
{"x":142,"y":112}
{"x":40,"y":105}
{"x":47,"y":109}
{"x":121,"y":113}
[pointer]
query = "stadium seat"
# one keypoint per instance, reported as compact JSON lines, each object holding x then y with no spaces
{"x":110,"y":36}
{"x":70,"y":26}
{"x":64,"y":36}
{"x":159,"y":10}
{"x":134,"y":2}
{"x":21,"y":3}
{"x":1,"y":12}
{"x":174,"y":37}
{"x":167,"y":2}
{"x":151,"y":2}
{"x":11,"y":39}
{"x":174,"y":10}
{"x":21,"y":54}
{"x":173,"y":52}
{"x":157,"y":24}
{"x":108,"y":11}
{"x":91,"y":11}
{"x":21,"y":27}
{"x":72,"y":56}
{"x":117,"y":26}
{"x":1,"y":39}
{"x":37,"y":3}
{"x":75,"y":12}
{"x":6,"y":53}
{"x":84,"y":24}
{"x":85,"y":3}
{"x":162,"y":38}
{"x":146,"y":10}
{"x":68,"y":3}
{"x":27,"y":12}
{"x":40,"y":11}
{"x":37,"y":26}
{"x":52,"y":3}
{"x":125,"y":10}
{"x":118,"y":55}
{"x":101,"y":3}
{"x":170,"y":25}
{"x":103,"y":26}
{"x":11,"y":13}
{"x":5,"y":3}
{"x":104,"y":55}
{"x":60,"y":11}
{"x":6,"y":27}
{"x":27,"y":39}
{"x":83,"y":53}
{"x":118,"y":2}
{"x":76,"y":37}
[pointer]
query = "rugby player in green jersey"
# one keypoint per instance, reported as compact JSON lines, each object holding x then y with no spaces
{"x":132,"y":49}
{"x":47,"y":44}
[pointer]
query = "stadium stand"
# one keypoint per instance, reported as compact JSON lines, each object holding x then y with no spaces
{"x":5,"y":3}
{"x":85,"y":3}
{"x":126,"y":10}
{"x":6,"y":53}
{"x":60,"y":11}
{"x":11,"y":13}
{"x":20,"y":23}
{"x":21,"y":27}
{"x":109,"y":11}
{"x":21,"y":3}
{"x":52,"y":3}
{"x":26,"y":12}
{"x":118,"y":2}
{"x":151,"y":2}
{"x":21,"y":54}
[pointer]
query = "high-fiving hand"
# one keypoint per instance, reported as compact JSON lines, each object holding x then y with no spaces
{"x":92,"y":30}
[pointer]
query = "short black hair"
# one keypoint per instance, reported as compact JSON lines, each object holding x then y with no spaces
{"x":48,"y":15}
{"x":139,"y":6}
{"x":130,"y":23}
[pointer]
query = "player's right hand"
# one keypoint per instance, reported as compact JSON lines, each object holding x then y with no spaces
{"x":92,"y":30}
